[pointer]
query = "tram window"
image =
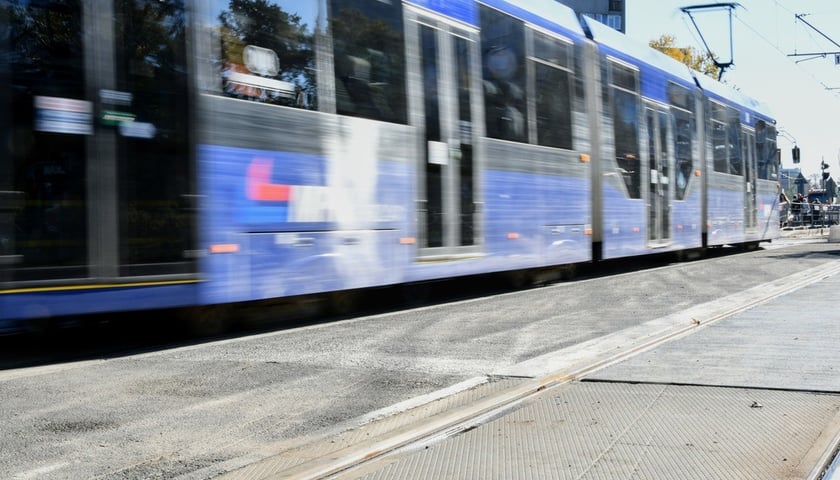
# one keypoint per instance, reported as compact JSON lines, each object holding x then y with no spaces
{"x":553,"y":92}
{"x":155,"y":169}
{"x":625,"y":115}
{"x":624,"y":77}
{"x":760,"y":140}
{"x":683,"y":151}
{"x":503,"y":57}
{"x":268,"y":51}
{"x":551,"y":50}
{"x":682,"y":111}
{"x":736,"y":163}
{"x":721,"y":164}
{"x":770,"y":154}
{"x":680,"y":97}
{"x":554,"y":112}
{"x":765,"y":148}
{"x":45,"y":123}
{"x":726,"y":143}
{"x":368,"y":44}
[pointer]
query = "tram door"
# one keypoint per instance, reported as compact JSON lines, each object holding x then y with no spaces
{"x":750,"y":186}
{"x":659,"y":166}
{"x":444,"y":95}
{"x":95,"y":176}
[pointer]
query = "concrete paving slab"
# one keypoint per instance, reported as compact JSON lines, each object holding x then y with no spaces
{"x":790,"y":343}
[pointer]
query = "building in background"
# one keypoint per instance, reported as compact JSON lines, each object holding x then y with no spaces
{"x":793,"y":182}
{"x":608,"y":12}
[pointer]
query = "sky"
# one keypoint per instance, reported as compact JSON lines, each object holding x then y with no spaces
{"x":764,"y":34}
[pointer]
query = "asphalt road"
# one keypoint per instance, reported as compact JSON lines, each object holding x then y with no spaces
{"x":165,"y":406}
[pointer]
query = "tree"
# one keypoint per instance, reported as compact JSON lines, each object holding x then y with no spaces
{"x":702,"y":62}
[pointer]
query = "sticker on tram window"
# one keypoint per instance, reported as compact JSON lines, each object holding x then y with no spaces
{"x":63,"y":115}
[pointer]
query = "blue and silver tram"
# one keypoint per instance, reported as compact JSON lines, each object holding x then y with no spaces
{"x":181,"y":154}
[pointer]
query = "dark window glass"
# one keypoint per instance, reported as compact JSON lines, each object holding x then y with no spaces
{"x":653,"y":163}
{"x":626,"y":129}
{"x":464,"y":78}
{"x":765,"y":148}
{"x":268,"y":51}
{"x":554,"y":114}
{"x":624,"y":77}
{"x":155,"y":172}
{"x":683,"y":150}
{"x":760,"y":144}
{"x":625,"y":115}
{"x":551,"y":50}
{"x":46,"y":121}
{"x":429,"y":51}
{"x":770,"y":154}
{"x":369,"y":54}
{"x":682,"y":111}
{"x":553,"y":91}
{"x":434,"y":172}
{"x":726,"y":144}
{"x":503,"y":69}
{"x":665,"y":174}
{"x":467,"y":171}
{"x":718,"y":134}
{"x":681,"y":97}
{"x":736,"y":162}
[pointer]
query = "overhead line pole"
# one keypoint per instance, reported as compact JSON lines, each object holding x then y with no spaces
{"x":800,"y":16}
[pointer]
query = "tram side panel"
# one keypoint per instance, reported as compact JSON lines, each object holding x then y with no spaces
{"x":726,"y":209}
{"x":322,"y":209}
{"x":768,"y":225}
{"x":742,"y":169}
{"x":650,"y":191}
{"x":537,"y":206}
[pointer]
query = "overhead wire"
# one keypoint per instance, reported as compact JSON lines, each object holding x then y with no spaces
{"x":773,"y":44}
{"x":776,"y":47}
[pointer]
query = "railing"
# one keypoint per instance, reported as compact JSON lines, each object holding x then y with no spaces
{"x":808,"y":215}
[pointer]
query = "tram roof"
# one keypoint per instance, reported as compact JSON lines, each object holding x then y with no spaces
{"x":630,"y":49}
{"x":546,"y":14}
{"x":724,"y":92}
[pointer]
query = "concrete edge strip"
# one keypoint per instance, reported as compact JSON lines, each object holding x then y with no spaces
{"x":426,"y":399}
{"x":664,"y":329}
{"x":824,"y":450}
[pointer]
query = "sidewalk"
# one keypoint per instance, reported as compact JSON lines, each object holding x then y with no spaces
{"x":803,"y":232}
{"x":753,"y":396}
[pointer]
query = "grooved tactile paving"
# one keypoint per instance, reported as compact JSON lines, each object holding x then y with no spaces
{"x":609,"y":431}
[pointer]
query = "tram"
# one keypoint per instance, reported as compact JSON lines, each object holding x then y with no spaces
{"x":179,"y":154}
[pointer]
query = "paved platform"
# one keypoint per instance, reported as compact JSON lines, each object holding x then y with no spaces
{"x":752,"y":396}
